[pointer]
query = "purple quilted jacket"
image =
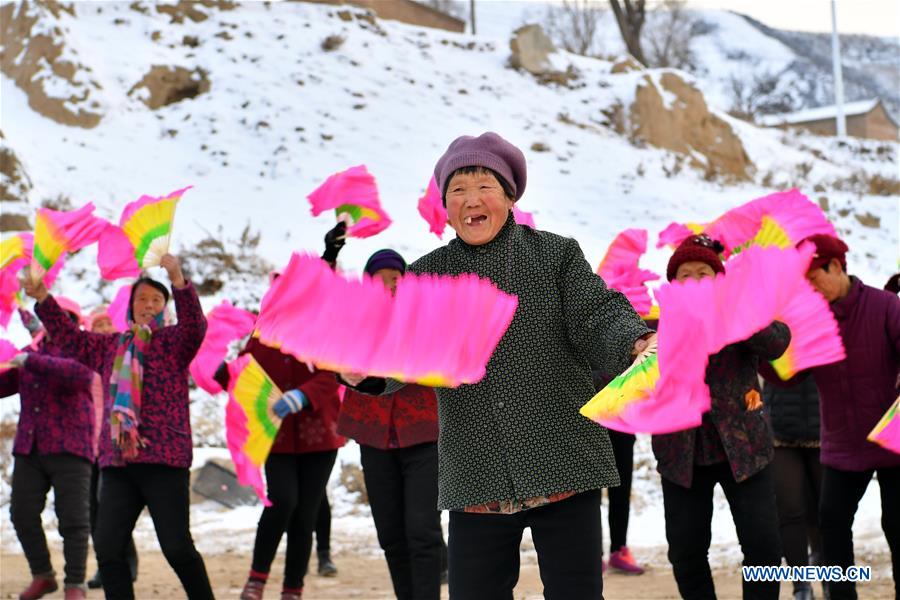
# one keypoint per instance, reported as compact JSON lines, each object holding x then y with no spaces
{"x":57,"y":408}
{"x":165,"y":419}
{"x":855,"y":392}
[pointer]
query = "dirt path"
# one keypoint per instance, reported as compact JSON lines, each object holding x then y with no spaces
{"x":367,"y":577}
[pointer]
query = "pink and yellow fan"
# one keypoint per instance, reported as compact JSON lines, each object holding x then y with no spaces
{"x":791,"y":299}
{"x":637,"y":382}
{"x":16,"y":254}
{"x":57,"y":232}
{"x":782,"y":220}
{"x":407,"y":337}
{"x":225,"y":324}
{"x":675,"y":233}
{"x":142,"y":237}
{"x":16,"y":247}
{"x":251,"y":425}
{"x":354,"y":197}
{"x":431,"y":207}
{"x":699,"y":318}
{"x":661,"y":392}
{"x":887,"y":432}
{"x":423,"y":346}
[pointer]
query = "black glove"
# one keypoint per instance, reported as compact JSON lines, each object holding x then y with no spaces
{"x":222,"y":376}
{"x":334,"y":241}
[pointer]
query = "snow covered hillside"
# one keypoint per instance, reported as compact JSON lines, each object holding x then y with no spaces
{"x":727,"y":47}
{"x":281,"y":113}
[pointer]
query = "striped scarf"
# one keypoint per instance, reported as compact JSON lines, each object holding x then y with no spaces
{"x":126,"y":384}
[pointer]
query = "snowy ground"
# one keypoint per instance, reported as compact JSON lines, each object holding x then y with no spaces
{"x":282,"y":115}
{"x":219,"y":530}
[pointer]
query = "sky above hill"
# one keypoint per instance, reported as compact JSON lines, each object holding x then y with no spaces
{"x":872,"y":17}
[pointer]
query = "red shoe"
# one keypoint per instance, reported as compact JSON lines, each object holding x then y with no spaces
{"x":253,"y":590}
{"x":622,"y":560}
{"x":40,"y":586}
{"x":75,"y":592}
{"x":292,"y":594}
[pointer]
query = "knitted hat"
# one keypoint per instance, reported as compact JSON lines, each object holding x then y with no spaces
{"x":70,"y":306}
{"x":699,"y":248}
{"x":487,"y":150}
{"x":385,"y":259}
{"x":827,"y":247}
{"x":95,"y":315}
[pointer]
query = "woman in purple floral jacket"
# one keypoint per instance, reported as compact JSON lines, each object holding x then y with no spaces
{"x":145,"y":442}
{"x":53,"y":448}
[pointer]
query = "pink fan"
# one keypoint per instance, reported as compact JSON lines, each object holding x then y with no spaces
{"x":886,"y":432}
{"x":699,"y":318}
{"x":118,"y":308}
{"x":7,"y":352}
{"x":9,"y":290}
{"x":225,"y":323}
{"x":522,"y":217}
{"x":407,"y":337}
{"x":619,"y":268}
{"x":16,"y":251}
{"x":431,"y":207}
{"x":782,"y":220}
{"x":354,"y":196}
{"x":115,"y":254}
{"x":675,"y":233}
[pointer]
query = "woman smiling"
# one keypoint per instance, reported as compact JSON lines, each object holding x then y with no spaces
{"x":513,"y":450}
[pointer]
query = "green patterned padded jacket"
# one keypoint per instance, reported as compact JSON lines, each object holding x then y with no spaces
{"x":517,"y":433}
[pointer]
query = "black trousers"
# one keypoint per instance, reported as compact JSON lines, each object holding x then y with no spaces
{"x":295,"y":485}
{"x":70,"y":477}
{"x":620,"y":497}
{"x":402,"y":488}
{"x":164,"y":490}
{"x":798,"y":484}
{"x":841,"y":493}
{"x":689,"y":528}
{"x":323,"y":526}
{"x":131,"y":550}
{"x":568,"y":538}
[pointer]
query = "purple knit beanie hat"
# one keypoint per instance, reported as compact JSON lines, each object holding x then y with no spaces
{"x":385,"y":259}
{"x":487,"y":150}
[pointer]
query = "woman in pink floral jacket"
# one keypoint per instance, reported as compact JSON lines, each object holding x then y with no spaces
{"x":54,"y":447}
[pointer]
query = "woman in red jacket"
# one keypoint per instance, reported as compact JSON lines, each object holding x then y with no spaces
{"x":397,"y":436}
{"x":297,"y":469}
{"x":300,"y":461}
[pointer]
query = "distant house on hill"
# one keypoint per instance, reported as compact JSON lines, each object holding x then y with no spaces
{"x":405,"y":11}
{"x":865,"y":119}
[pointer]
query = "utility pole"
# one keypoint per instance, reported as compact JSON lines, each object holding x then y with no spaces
{"x":841,"y":125}
{"x":472,"y":14}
